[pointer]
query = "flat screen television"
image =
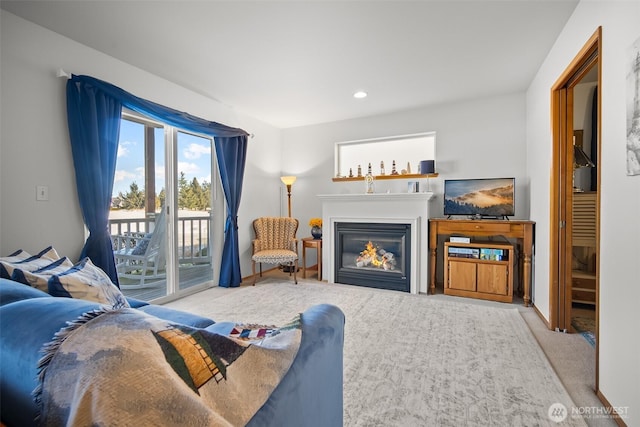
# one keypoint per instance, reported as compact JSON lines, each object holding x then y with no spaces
{"x":486,"y":197}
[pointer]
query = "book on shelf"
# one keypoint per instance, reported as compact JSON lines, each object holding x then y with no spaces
{"x":464,"y":252}
{"x":493,"y":254}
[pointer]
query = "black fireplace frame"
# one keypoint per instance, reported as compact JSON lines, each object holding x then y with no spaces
{"x":393,"y":280}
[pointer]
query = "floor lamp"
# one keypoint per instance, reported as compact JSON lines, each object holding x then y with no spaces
{"x":288,"y":181}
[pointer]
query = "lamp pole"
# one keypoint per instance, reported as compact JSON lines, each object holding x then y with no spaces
{"x":289,"y":198}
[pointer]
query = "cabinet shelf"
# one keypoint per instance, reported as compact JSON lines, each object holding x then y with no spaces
{"x":385,"y":177}
{"x":593,"y":291}
{"x":583,"y":287}
{"x":489,"y":279}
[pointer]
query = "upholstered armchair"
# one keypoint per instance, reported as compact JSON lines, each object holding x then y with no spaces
{"x":275,"y":243}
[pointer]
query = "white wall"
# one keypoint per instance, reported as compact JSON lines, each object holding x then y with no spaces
{"x":482,"y":138}
{"x":619,"y":360}
{"x":35,"y":143}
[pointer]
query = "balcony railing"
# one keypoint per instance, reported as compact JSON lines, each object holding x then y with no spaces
{"x":193,"y":235}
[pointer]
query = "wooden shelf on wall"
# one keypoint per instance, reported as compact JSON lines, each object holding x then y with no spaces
{"x":383,"y":177}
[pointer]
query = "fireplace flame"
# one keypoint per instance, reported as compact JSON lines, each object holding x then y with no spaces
{"x":375,"y":257}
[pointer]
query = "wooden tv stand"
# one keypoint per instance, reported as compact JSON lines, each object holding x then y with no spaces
{"x":521,"y":230}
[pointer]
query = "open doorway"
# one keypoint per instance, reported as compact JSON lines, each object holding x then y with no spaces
{"x":575,"y":194}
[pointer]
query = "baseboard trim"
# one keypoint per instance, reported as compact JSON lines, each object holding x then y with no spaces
{"x":614,"y":414}
{"x":546,"y":323}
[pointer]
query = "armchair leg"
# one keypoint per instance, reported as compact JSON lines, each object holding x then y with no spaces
{"x":253,"y":270}
{"x":295,"y":268}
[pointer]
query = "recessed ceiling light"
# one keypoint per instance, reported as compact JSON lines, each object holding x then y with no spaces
{"x":360,"y":94}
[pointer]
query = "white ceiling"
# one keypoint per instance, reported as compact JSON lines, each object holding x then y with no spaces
{"x":295,"y":63}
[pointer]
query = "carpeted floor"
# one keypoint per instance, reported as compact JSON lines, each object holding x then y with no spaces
{"x":412,"y":360}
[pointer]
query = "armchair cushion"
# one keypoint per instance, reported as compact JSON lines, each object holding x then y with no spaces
{"x":275,"y":256}
{"x":142,"y":245}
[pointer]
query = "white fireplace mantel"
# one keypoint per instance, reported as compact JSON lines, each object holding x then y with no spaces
{"x":410,"y":208}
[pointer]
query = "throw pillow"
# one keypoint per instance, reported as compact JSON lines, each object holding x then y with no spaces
{"x":141,"y":246}
{"x":86,"y":281}
{"x":39,"y":278}
{"x":42,"y":259}
{"x":17,"y":256}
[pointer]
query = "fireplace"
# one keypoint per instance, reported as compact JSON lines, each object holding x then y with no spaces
{"x":380,"y":208}
{"x":373,"y":254}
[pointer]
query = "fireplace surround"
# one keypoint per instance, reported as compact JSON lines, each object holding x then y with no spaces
{"x":389,"y":208}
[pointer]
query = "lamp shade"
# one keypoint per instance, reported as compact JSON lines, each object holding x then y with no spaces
{"x":288,"y":180}
{"x":427,"y":166}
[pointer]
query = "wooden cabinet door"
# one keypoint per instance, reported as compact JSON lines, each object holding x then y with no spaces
{"x":493,"y":278}
{"x":462,"y":275}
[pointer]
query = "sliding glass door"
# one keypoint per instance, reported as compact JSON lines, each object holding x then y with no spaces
{"x":161,"y":218}
{"x":195,"y":214}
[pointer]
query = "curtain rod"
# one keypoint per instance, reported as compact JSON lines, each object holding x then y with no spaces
{"x":62,"y":73}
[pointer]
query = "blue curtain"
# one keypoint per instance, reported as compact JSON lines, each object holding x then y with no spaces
{"x":94,"y":129}
{"x":231,"y":154}
{"x":93,"y":109}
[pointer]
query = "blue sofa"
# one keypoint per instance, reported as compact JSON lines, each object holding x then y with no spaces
{"x":310,"y":393}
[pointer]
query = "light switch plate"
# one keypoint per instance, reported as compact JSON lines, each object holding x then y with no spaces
{"x":42,"y":193}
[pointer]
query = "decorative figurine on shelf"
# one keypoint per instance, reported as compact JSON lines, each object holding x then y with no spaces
{"x":316,"y":228}
{"x":359,"y":172}
{"x":382,"y":168}
{"x":408,"y":168}
{"x":368,"y":181}
{"x":393,"y":168}
{"x":350,"y":172}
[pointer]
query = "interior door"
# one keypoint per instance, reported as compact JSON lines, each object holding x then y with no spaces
{"x":564,"y":164}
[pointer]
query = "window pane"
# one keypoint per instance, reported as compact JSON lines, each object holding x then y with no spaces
{"x":136,"y":221}
{"x":194,"y":209}
{"x":407,"y":152}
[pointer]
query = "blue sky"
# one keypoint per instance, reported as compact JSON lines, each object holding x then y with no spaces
{"x":194,"y":157}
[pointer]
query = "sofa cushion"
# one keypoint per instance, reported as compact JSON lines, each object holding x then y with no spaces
{"x":86,"y":281}
{"x":41,"y":259}
{"x":136,"y":303}
{"x":221,"y":328}
{"x":11,"y":291}
{"x":39,"y":278}
{"x":177,"y":316}
{"x":26,"y":326}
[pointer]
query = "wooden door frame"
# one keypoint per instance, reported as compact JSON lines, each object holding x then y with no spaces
{"x":561,"y":191}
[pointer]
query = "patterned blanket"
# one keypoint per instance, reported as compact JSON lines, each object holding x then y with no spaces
{"x":125,"y":367}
